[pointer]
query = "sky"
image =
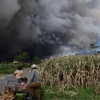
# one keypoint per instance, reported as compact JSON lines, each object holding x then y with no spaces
{"x":47,"y":28}
{"x":98,"y":42}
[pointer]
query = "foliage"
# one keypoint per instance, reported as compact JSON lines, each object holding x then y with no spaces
{"x":22,"y":57}
{"x":20,"y":96}
{"x":75,"y":71}
{"x":36,"y":60}
{"x":48,"y":93}
{"x":93,"y":48}
{"x":98,"y":52}
{"x":5,"y":62}
{"x":80,"y":77}
{"x":70,"y":94}
{"x":9,"y":68}
{"x":26,"y":65}
{"x":4,"y":66}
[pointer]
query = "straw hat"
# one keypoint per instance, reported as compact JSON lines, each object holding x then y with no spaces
{"x":33,"y":66}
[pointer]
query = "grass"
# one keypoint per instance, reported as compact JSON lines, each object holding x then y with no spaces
{"x":48,"y":93}
{"x":6,"y":69}
{"x":6,"y":72}
{"x":52,"y":93}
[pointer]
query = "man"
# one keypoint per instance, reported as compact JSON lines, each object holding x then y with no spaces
{"x":19,"y":73}
{"x":34,"y":83}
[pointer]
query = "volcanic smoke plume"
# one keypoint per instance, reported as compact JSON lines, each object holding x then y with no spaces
{"x":48,"y":27}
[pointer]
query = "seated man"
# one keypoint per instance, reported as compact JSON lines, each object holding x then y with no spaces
{"x":34,"y":83}
{"x":19,"y":73}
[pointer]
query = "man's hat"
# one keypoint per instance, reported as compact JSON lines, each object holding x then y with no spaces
{"x":33,"y":66}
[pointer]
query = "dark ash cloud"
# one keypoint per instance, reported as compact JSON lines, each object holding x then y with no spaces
{"x":48,"y":27}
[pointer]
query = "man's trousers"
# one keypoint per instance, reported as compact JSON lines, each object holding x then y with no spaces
{"x":35,"y":87}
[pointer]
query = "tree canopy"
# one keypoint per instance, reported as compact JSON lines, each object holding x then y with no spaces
{"x":36,"y":60}
{"x":93,"y":47}
{"x":22,"y":57}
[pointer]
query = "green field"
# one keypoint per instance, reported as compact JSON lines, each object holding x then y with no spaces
{"x":48,"y":93}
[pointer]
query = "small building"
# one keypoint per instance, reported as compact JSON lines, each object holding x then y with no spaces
{"x":15,"y":62}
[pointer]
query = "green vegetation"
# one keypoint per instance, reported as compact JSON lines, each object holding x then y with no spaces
{"x":52,"y":93}
{"x":65,"y":78}
{"x":81,"y":72}
{"x":9,"y":68}
{"x":48,"y":93}
{"x":22,"y":57}
{"x":94,"y":48}
{"x":36,"y":60}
